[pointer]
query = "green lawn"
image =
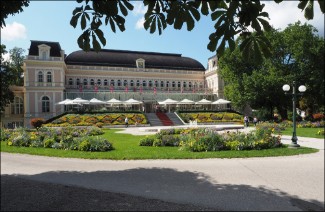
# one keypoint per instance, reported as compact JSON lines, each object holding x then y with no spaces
{"x":304,"y":132}
{"x":127,"y":148}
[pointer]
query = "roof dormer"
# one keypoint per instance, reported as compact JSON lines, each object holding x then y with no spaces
{"x":44,"y":51}
{"x":140,"y":63}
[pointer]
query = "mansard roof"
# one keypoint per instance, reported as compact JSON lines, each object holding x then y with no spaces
{"x":123,"y":58}
{"x":55,"y":50}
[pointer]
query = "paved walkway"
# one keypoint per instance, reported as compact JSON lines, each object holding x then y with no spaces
{"x":291,"y":183}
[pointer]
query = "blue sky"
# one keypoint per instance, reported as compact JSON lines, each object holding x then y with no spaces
{"x":50,"y":21}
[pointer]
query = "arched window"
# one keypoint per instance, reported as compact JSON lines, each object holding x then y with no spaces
{"x":45,"y":104}
{"x":99,"y":82}
{"x":70,"y":81}
{"x":184,"y":84}
{"x":40,"y":76}
{"x":49,"y":76}
{"x":105,"y":82}
{"x":118,"y":82}
{"x":112,"y":82}
{"x":144,"y":83}
{"x":167,"y":84}
{"x":179,"y":84}
{"x":125,"y":83}
{"x":92,"y":82}
{"x":138,"y":83}
{"x":190,"y":84}
{"x":156,"y":83}
{"x":162,"y":84}
{"x":85,"y":82}
{"x":78,"y":81}
{"x":150,"y":83}
{"x":173,"y":84}
{"x":131,"y":83}
{"x":17,"y":107}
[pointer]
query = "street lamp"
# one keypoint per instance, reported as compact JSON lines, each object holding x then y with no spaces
{"x":302,"y":89}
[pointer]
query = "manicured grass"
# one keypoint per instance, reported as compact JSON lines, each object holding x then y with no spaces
{"x":304,"y":132}
{"x":127,"y":148}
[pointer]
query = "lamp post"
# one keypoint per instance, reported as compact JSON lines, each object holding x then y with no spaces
{"x":302,"y":89}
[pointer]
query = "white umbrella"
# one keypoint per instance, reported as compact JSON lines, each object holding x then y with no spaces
{"x":203,"y":102}
{"x":80,"y":101}
{"x":186,"y":102}
{"x":114,"y":101}
{"x":132,"y":102}
{"x":221,"y":102}
{"x":64,"y":102}
{"x":168,"y":102}
{"x":95,"y":101}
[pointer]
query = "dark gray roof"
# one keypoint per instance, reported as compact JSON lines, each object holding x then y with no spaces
{"x":55,"y":50}
{"x":123,"y":58}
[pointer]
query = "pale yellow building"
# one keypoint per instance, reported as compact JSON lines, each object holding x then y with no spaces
{"x":50,"y":76}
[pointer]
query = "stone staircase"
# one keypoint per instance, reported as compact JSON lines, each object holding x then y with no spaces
{"x":176,"y":121}
{"x":153,"y":119}
{"x":163,"y":119}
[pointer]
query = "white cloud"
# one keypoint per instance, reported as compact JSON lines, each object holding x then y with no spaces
{"x":6,"y":56}
{"x":287,"y":12}
{"x":14,"y":31}
{"x":139,"y":24}
{"x":139,"y":9}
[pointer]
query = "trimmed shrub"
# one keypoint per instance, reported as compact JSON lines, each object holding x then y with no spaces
{"x":37,"y":122}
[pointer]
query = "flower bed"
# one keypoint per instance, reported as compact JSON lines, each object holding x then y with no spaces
{"x":211,"y":117}
{"x":98,"y":120}
{"x":82,"y":139}
{"x":198,"y":140}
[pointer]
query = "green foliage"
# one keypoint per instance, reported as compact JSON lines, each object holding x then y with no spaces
{"x":147,"y":141}
{"x":296,"y":52}
{"x":69,"y":138}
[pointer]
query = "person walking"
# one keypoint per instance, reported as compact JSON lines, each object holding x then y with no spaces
{"x":255,"y":121}
{"x":126,"y":122}
{"x":246,"y":120}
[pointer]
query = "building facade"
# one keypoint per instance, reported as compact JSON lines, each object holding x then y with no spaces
{"x":50,"y":76}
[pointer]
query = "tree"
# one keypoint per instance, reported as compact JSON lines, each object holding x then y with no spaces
{"x":297,"y":54}
{"x":16,"y":62}
{"x":231,"y":18}
{"x":11,"y":72}
{"x":6,"y":76}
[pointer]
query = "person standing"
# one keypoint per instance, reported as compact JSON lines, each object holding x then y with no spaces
{"x":255,"y":121}
{"x":126,"y":122}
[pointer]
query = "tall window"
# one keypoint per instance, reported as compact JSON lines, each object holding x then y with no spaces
{"x":179,"y":84}
{"x":156,"y":83}
{"x":105,"y":82}
{"x":17,"y":107}
{"x":144,"y":83}
{"x":49,"y":76}
{"x":92,"y":82}
{"x":40,"y":76}
{"x":45,"y":104}
{"x":118,"y":82}
{"x":167,"y":84}
{"x":131,"y":83}
{"x":78,"y":81}
{"x":138,"y":83}
{"x":44,"y":56}
{"x":184,"y":84}
{"x":99,"y":82}
{"x":150,"y":83}
{"x":70,"y":81}
{"x":125,"y":83}
{"x":190,"y":84}
{"x":85,"y":82}
{"x":173,"y":84}
{"x":162,"y":84}
{"x":112,"y":82}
